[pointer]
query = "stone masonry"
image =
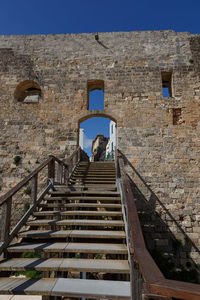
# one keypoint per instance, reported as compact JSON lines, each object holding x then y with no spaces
{"x":160,"y":136}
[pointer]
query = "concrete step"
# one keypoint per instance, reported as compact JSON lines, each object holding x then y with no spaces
{"x":77,"y":213}
{"x":66,"y":287}
{"x":76,"y":222}
{"x":97,"y":234}
{"x":65,"y":264}
{"x":70,"y":247}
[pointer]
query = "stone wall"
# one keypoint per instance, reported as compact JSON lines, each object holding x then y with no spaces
{"x":130,"y":64}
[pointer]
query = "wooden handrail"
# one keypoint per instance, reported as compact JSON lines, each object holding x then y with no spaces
{"x":22,"y":183}
{"x":64,"y":169}
{"x":73,"y":154}
{"x":154,"y":280}
{"x":177,"y":289}
{"x":62,"y":161}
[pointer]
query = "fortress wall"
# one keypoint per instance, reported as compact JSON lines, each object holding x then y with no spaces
{"x":130,"y":63}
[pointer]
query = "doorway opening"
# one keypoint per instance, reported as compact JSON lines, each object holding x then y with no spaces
{"x":97,"y":137}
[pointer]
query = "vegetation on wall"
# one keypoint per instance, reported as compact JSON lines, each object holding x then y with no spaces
{"x":16,"y":160}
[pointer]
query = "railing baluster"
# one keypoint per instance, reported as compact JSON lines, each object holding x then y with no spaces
{"x":34,"y":186}
{"x":5,"y":219}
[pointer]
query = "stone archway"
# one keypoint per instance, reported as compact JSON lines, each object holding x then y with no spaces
{"x":95,"y":113}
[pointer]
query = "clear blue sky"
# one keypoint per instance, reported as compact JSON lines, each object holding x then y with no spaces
{"x":75,"y":16}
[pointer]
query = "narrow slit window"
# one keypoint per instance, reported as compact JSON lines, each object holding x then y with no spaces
{"x":96,"y":95}
{"x":167,"y":84}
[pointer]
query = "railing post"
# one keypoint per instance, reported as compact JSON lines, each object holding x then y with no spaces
{"x":135,"y":279}
{"x":66,"y":175}
{"x":60,"y":172}
{"x":34,"y":185}
{"x":79,"y":154}
{"x":74,"y":160}
{"x":69,"y":169}
{"x":5,"y":219}
{"x":51,"y":169}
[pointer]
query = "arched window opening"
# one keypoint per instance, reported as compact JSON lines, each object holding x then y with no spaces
{"x":97,"y":137}
{"x":95,"y":90}
{"x":28,"y":91}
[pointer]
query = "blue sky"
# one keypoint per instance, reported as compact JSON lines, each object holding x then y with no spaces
{"x":76,"y":16}
{"x":73,"y":16}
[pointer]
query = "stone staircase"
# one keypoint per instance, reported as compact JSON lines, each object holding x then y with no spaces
{"x":75,"y":240}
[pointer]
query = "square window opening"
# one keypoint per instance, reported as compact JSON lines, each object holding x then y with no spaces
{"x":95,"y":89}
{"x":166,"y":84}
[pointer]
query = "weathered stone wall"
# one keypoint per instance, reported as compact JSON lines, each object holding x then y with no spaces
{"x":130,"y":63}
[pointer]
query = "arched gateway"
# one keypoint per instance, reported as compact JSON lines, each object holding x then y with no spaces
{"x":95,"y":125}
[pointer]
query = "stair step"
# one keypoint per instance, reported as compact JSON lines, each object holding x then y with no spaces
{"x":80,"y":205}
{"x":74,"y":222}
{"x":98,"y":172}
{"x":93,"y":180}
{"x":95,"y":192}
{"x":90,"y":201}
{"x":64,"y":264}
{"x":77,"y":213}
{"x":77,"y":198}
{"x":70,"y":247}
{"x":94,"y":171}
{"x":97,"y":164}
{"x":89,"y":187}
{"x":97,"y":175}
{"x":92,"y":167}
{"x":100,"y":234}
{"x":66,"y":287}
